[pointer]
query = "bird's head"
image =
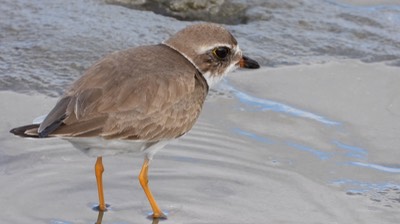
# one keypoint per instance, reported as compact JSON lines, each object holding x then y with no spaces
{"x":212,"y":49}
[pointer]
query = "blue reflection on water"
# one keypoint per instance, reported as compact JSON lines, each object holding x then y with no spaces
{"x":352,"y":151}
{"x":362,"y":186}
{"x":253,"y":136}
{"x":54,"y":221}
{"x":320,"y":154}
{"x":377,"y":167}
{"x":260,"y":104}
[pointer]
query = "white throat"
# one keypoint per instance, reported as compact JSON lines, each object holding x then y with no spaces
{"x":214,"y":79}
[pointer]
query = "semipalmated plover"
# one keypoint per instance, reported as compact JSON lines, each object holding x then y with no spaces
{"x":141,"y":98}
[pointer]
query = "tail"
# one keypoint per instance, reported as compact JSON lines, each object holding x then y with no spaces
{"x":30,"y":130}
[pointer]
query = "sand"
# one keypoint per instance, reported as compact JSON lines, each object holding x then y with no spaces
{"x":372,"y":2}
{"x":301,"y":144}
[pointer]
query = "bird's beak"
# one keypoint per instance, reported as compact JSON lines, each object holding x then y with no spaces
{"x":246,"y":62}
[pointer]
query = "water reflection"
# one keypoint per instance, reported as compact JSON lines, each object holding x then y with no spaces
{"x":260,"y":104}
{"x":100,"y":216}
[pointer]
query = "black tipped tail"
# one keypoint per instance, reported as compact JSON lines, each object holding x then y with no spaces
{"x":26,"y":131}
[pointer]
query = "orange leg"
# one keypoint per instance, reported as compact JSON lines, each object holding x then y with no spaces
{"x":157,"y":213}
{"x":99,"y":169}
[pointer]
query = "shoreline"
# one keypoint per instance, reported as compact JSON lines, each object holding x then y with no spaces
{"x":239,"y":152}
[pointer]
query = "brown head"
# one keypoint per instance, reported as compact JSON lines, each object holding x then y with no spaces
{"x":212,"y":50}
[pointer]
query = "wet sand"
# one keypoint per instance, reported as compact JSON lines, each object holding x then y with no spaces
{"x":46,"y":44}
{"x":301,"y":144}
{"x":371,"y":2}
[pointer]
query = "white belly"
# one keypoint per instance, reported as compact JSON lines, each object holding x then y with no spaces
{"x":97,"y":146}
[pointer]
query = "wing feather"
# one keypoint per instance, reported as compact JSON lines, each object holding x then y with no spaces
{"x":131,"y":94}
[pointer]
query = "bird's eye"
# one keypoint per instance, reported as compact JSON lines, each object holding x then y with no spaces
{"x":221,"y":52}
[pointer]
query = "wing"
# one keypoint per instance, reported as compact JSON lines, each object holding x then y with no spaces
{"x":147,"y":93}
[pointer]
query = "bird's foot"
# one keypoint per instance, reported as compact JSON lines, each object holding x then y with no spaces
{"x":158,"y":215}
{"x":99,"y":208}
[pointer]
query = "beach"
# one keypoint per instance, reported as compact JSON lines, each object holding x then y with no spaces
{"x":326,"y":158}
{"x":310,"y":141}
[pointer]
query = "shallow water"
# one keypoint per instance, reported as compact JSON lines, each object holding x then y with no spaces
{"x":246,"y":159}
{"x":315,"y":144}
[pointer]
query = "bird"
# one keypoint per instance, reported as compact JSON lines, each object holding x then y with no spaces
{"x":141,"y":98}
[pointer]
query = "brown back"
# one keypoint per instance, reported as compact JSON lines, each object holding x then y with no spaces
{"x":147,"y":93}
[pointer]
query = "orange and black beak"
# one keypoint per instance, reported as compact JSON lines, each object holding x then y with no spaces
{"x":246,"y":62}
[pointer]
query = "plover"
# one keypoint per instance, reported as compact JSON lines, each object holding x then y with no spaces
{"x":141,"y":98}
